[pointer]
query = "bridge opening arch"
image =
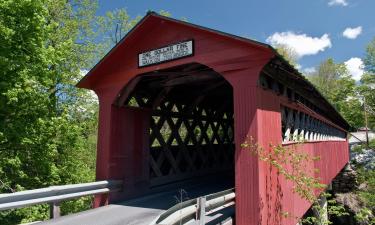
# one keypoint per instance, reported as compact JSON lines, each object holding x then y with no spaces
{"x":189,"y":131}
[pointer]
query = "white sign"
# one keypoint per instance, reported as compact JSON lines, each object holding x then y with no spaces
{"x":167,"y":53}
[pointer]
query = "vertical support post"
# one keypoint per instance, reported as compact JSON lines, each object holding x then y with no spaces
{"x":201,"y":213}
{"x":54,"y":209}
{"x":103,"y":145}
{"x":366,"y":121}
{"x":329,"y":187}
{"x":243,"y":76}
{"x":129,"y":156}
{"x":321,"y":213}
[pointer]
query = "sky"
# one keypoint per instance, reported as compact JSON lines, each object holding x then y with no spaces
{"x":314,"y":29}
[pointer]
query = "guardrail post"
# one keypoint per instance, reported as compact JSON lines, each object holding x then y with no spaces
{"x":201,"y":203}
{"x":54,"y":208}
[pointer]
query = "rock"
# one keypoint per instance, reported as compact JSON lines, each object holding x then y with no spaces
{"x":353,"y":206}
{"x":363,"y":187}
{"x":365,"y":158}
{"x":345,"y":181}
{"x":351,"y":202}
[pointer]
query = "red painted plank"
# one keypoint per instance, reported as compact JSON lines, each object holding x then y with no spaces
{"x":275,"y":191}
{"x":261,"y":194}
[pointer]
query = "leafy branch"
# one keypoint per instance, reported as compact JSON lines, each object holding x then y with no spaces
{"x":290,"y":162}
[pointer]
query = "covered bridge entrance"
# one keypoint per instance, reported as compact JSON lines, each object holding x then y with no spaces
{"x":178,"y":100}
{"x":190,"y":113}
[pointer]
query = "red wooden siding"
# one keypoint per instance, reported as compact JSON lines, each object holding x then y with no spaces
{"x":129,"y":149}
{"x":246,"y":166}
{"x":261,"y":195}
{"x":276,"y":193}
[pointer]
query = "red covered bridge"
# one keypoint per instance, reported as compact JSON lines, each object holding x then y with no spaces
{"x":177,"y":101}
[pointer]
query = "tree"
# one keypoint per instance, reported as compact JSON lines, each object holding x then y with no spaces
{"x":369,"y":60}
{"x":326,"y":76}
{"x":48,"y":126}
{"x":367,"y":87}
{"x":339,"y":88}
{"x":288,"y":53}
{"x":44,"y":45}
{"x":116,"y":24}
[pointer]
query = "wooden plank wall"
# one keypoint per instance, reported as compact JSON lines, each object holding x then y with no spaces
{"x":276,"y":193}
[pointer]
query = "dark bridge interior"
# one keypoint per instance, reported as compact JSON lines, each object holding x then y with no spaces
{"x":191,"y":125}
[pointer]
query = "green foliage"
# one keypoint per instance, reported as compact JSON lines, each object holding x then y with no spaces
{"x":25,"y":215}
{"x":326,"y":76}
{"x":335,"y":209}
{"x":47,"y":125}
{"x":366,"y":177}
{"x":367,"y":90}
{"x":367,"y":194}
{"x":336,"y":84}
{"x":291,"y":163}
{"x":288,"y":54}
{"x":364,"y":216}
{"x":369,"y":60}
{"x":115,"y":24}
{"x":323,"y":214}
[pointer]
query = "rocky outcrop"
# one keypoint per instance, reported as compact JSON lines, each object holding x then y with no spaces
{"x":345,"y":187}
{"x":365,"y":158}
{"x":354,"y":207}
{"x":345,"y":181}
{"x":350,"y":200}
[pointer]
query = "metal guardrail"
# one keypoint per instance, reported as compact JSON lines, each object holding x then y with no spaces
{"x":55,"y":194}
{"x":197,"y":208}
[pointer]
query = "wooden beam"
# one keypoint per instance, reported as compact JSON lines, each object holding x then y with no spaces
{"x":160,"y":97}
{"x":203,"y":94}
{"x":193,"y":66}
{"x":188,"y":79}
{"x":125,"y":93}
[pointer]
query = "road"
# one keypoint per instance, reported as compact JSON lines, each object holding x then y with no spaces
{"x":144,"y":210}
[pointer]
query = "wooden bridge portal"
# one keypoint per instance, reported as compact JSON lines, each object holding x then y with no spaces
{"x":177,"y":101}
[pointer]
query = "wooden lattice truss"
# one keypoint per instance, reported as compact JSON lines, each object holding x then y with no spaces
{"x":191,"y":123}
{"x":299,"y":126}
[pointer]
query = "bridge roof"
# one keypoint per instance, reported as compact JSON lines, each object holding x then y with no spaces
{"x":154,"y":19}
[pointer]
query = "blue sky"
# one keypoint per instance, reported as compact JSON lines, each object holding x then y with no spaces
{"x":314,"y":28}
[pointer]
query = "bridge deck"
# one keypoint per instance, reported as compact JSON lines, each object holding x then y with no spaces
{"x":142,"y":210}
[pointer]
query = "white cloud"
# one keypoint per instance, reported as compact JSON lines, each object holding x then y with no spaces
{"x":338,"y":2}
{"x":301,"y":43}
{"x":309,"y":70}
{"x":352,"y":33}
{"x":355,"y":67}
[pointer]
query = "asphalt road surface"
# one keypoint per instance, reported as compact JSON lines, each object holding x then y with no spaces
{"x":144,"y":210}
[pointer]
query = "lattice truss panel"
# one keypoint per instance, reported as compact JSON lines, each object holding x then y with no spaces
{"x":299,"y":126}
{"x":188,"y":141}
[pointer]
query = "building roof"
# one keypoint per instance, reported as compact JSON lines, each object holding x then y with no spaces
{"x":84,"y":83}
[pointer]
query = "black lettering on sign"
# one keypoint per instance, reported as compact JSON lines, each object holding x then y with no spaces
{"x":168,"y":53}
